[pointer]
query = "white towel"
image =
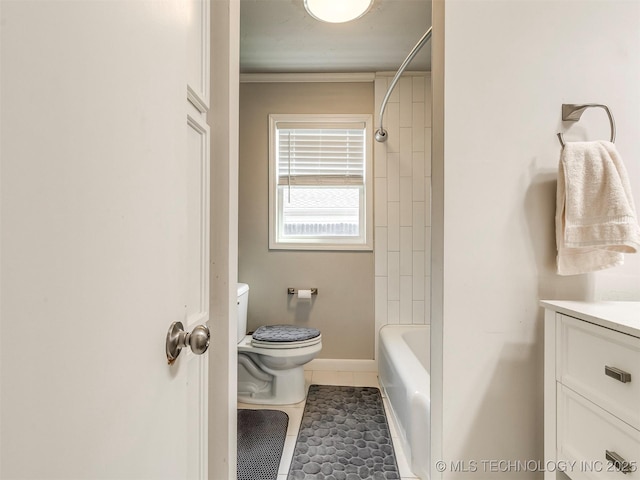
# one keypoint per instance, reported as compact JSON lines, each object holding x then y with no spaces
{"x":596,"y":219}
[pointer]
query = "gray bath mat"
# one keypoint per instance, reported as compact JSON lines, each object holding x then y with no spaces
{"x":261,"y":436}
{"x":344,"y":435}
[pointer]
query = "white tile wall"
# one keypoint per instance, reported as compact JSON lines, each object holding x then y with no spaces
{"x":403,"y":202}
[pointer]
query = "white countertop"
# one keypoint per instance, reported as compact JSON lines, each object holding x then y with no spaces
{"x":621,"y":316}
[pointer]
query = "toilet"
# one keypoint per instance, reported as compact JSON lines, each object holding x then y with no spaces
{"x":271,"y":360}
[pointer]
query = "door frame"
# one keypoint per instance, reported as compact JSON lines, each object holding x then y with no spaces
{"x":223,"y":120}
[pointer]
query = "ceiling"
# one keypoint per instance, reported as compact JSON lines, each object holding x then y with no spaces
{"x":279,"y":36}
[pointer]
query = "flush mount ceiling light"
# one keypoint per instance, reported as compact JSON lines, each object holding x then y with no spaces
{"x":337,"y":11}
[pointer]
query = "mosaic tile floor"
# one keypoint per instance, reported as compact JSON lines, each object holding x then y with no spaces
{"x":344,"y":435}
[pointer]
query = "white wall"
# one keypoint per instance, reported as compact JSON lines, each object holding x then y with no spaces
{"x":502,"y":71}
{"x":402,"y":202}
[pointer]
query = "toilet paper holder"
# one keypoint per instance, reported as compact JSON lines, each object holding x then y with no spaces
{"x":294,"y":291}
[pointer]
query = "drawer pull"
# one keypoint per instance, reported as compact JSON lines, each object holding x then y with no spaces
{"x":620,"y":375}
{"x":618,"y":462}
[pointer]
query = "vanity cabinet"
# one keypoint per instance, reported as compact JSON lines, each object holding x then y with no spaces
{"x":592,"y":390}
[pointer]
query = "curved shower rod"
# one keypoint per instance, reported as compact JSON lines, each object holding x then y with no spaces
{"x":381,"y":133}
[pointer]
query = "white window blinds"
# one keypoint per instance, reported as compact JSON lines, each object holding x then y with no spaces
{"x":320,"y":175}
{"x":328,"y":155}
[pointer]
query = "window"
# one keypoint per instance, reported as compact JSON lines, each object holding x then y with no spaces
{"x":320,"y":194}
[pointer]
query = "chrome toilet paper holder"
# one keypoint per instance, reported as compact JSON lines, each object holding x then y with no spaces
{"x":294,"y":291}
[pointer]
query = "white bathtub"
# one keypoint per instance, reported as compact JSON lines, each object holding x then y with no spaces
{"x":403,"y":369}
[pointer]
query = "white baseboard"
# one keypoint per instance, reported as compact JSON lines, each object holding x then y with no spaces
{"x":342,"y":365}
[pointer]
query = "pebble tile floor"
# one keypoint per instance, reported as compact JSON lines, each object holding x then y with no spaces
{"x":350,"y":379}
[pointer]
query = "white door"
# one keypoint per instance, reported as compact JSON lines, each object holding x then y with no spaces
{"x":103,"y":198}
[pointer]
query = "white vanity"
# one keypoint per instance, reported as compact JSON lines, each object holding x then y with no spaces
{"x":592,"y":390}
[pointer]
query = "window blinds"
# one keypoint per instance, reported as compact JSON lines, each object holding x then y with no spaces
{"x":321,"y":156}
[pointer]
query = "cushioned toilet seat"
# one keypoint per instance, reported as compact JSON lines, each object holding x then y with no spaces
{"x":285,"y":336}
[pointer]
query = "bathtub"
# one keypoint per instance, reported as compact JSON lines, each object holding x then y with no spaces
{"x":403,"y":370}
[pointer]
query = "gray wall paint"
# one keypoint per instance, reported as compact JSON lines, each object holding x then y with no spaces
{"x":344,"y":307}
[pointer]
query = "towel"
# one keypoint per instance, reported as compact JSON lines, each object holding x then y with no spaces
{"x":596,"y":220}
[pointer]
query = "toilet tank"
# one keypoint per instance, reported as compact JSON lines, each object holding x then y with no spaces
{"x":243,"y":304}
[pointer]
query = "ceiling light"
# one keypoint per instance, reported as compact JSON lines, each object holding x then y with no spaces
{"x":337,"y":11}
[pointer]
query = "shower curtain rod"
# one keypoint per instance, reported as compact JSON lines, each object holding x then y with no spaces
{"x":381,"y":133}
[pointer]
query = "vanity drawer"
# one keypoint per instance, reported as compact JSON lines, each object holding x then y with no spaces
{"x":602,"y":365}
{"x":587,"y":434}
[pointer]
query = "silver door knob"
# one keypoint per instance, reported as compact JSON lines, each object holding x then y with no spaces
{"x":177,"y":339}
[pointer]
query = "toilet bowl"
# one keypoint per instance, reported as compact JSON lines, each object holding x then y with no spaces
{"x":271,"y":360}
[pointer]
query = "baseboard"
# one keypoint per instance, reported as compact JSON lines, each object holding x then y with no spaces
{"x":342,"y":365}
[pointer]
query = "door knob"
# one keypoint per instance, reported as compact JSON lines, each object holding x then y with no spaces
{"x":177,"y":339}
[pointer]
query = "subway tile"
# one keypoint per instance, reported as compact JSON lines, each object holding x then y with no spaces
{"x":380,"y":302}
{"x":427,"y":101}
{"x":406,"y":152}
{"x":418,"y":226}
{"x":417,"y":188}
{"x":379,"y":91}
{"x":427,"y":299}
{"x":427,"y":201}
{"x":393,"y":308}
{"x":406,"y":300}
{"x":427,"y":152}
{"x":418,"y":88}
{"x":406,"y":99}
{"x":393,"y":177}
{"x":418,"y":116}
{"x":417,"y":167}
{"x":381,"y":291}
{"x":380,"y":251}
{"x":392,"y":124}
{"x":418,"y":275}
{"x":406,"y":250}
{"x":379,"y":159}
{"x":394,"y":97}
{"x":406,"y":201}
{"x":418,"y":312}
{"x":427,"y":251}
{"x":393,"y":233}
{"x":418,"y":176}
{"x":380,"y":202}
{"x":394,"y":276}
{"x":418,"y":127}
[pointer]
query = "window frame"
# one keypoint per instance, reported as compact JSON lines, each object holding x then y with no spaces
{"x":363,"y":242}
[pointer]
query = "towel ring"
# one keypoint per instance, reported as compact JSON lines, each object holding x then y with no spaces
{"x":572,"y":113}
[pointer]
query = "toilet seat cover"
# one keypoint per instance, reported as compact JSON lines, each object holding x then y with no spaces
{"x":284,"y":334}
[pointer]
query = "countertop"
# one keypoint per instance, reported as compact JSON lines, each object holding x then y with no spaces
{"x":621,"y":316}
